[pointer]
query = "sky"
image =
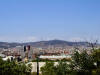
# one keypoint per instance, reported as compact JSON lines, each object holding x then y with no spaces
{"x":38,"y":20}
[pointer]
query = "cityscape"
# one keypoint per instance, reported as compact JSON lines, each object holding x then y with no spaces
{"x":49,"y":37}
{"x":55,"y":50}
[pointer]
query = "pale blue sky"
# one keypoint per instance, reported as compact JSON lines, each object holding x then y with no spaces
{"x":34,"y":20}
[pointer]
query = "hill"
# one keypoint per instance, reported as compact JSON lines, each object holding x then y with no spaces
{"x":43,"y":44}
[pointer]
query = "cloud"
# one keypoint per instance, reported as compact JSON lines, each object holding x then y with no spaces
{"x":30,"y":39}
{"x":18,"y":39}
{"x":23,"y":39}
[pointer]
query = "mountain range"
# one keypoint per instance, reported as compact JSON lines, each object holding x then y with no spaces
{"x":43,"y":44}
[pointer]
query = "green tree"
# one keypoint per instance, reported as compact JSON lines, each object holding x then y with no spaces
{"x":62,"y":68}
{"x":96,"y":56}
{"x":83,"y":62}
{"x":13,"y":68}
{"x":48,"y":69}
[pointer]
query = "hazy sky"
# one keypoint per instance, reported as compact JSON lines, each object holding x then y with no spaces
{"x":34,"y":20}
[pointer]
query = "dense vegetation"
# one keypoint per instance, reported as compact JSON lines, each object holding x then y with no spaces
{"x":14,"y":68}
{"x":81,"y":64}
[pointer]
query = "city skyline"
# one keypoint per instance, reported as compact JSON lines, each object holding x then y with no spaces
{"x":36,"y":20}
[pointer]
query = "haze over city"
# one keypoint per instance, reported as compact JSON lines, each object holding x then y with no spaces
{"x":37,"y":20}
{"x":49,"y":37}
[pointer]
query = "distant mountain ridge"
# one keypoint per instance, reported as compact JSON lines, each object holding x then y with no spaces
{"x":9,"y":45}
{"x":56,"y":43}
{"x":43,"y":43}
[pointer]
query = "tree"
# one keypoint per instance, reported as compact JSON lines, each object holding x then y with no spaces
{"x":83,"y":62}
{"x":48,"y":69}
{"x":62,"y":68}
{"x":96,"y":56}
{"x":13,"y":68}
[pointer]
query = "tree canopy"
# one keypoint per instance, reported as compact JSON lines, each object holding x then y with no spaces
{"x":82,"y":63}
{"x":13,"y":68}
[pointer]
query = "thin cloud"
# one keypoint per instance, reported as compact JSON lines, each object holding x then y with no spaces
{"x":19,"y":39}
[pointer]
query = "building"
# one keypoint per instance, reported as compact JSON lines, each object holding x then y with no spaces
{"x":55,"y":57}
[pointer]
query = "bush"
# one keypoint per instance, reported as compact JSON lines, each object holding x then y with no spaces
{"x":13,"y":68}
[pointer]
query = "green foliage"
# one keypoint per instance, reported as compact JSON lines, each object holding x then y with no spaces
{"x":13,"y":68}
{"x":64,"y":59}
{"x":81,"y":64}
{"x":83,"y":61}
{"x":96,"y":56}
{"x":48,"y":69}
{"x":62,"y":68}
{"x":96,"y":72}
{"x":35,"y":73}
